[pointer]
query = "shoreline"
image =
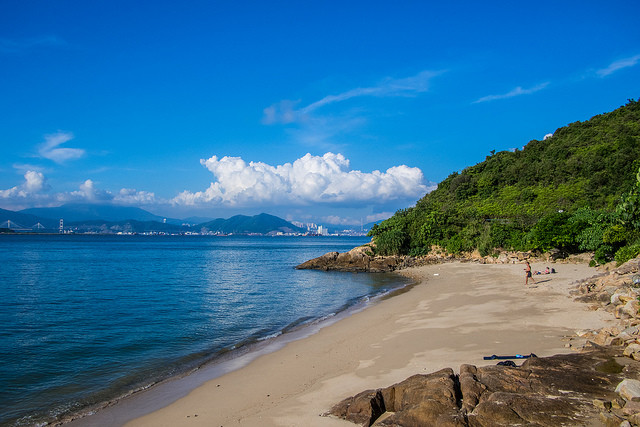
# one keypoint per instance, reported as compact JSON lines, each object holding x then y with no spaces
{"x":152,"y":397}
{"x":460,"y":314}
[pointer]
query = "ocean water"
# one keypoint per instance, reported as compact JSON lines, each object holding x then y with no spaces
{"x":86,"y":319}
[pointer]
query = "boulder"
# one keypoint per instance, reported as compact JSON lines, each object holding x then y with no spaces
{"x":556,"y":254}
{"x":567,"y":389}
{"x":358,"y":259}
{"x":419,"y":400}
{"x":320,"y":263}
{"x":629,"y":389}
{"x":631,"y":308}
{"x":630,"y":267}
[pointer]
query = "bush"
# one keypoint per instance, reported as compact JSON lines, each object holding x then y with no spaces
{"x":552,"y":231}
{"x":419,"y":251}
{"x":604,"y":254}
{"x":391,"y":242}
{"x":454,"y":244}
{"x":626,"y":253}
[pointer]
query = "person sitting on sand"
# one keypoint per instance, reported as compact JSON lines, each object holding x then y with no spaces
{"x":527,"y":271}
{"x":547,"y":271}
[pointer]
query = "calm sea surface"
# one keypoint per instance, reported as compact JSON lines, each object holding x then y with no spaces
{"x":87,"y":319}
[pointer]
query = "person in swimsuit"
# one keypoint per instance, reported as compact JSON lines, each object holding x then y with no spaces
{"x":527,"y":272}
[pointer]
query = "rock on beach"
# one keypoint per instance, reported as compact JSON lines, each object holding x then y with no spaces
{"x":598,"y":384}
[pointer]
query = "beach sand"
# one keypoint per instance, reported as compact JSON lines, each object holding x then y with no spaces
{"x":457,"y":313}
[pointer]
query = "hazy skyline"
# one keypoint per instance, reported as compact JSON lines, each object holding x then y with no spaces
{"x":329,"y":112}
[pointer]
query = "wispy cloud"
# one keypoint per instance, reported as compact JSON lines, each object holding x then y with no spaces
{"x":285,"y":111}
{"x":50,"y":148}
{"x":514,"y":92}
{"x":619,"y":65}
{"x":17,"y":46}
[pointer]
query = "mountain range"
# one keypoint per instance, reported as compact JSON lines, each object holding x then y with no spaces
{"x":113,"y":219}
{"x":74,"y":212}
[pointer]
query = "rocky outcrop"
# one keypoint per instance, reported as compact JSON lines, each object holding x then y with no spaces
{"x":358,"y":259}
{"x":568,"y":389}
{"x":363,"y":259}
{"x":615,"y":292}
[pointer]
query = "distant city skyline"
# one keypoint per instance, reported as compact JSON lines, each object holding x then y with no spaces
{"x":330,"y":112}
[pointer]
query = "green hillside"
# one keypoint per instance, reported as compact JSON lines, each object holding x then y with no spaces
{"x":258,"y":224}
{"x":563,"y":192}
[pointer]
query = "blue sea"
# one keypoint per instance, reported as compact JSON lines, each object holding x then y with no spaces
{"x":86,"y":319}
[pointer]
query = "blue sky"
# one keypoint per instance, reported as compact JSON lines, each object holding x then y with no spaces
{"x":325,"y":111}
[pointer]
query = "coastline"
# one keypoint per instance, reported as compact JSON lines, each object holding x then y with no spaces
{"x":456,"y":313}
{"x":152,"y":397}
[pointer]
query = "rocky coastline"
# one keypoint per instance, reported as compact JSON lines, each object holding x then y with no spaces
{"x":597,"y":384}
{"x":363,"y":259}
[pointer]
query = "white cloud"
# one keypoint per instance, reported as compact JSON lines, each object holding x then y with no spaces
{"x":514,"y":92}
{"x":34,"y":182}
{"x":130,"y":196}
{"x":284,"y":112}
{"x":618,"y":65}
{"x":34,"y":192}
{"x":50,"y":148}
{"x":336,"y":220}
{"x":87,"y":191}
{"x":311,"y":179}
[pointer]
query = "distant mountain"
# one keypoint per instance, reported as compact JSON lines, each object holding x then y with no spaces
{"x":75,"y":212}
{"x":258,"y":224}
{"x":88,"y":218}
{"x":23,"y":220}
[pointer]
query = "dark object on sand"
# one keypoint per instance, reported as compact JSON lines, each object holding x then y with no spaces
{"x":517,"y":356}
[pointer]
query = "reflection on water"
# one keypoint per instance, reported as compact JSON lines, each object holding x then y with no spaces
{"x":88,"y":318}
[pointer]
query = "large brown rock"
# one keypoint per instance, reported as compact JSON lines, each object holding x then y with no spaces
{"x":357,"y":259}
{"x":552,"y":391}
{"x":420,"y":400}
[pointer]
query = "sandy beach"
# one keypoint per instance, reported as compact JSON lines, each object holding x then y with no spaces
{"x":456,"y":313}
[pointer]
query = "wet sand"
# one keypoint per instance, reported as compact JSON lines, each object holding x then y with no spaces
{"x":457,"y":313}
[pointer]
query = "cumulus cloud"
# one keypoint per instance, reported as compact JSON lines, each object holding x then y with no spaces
{"x":34,"y":191}
{"x":618,"y":65}
{"x":514,"y":92}
{"x":285,"y":112}
{"x":51,"y":149}
{"x":130,"y":196}
{"x":89,"y":192}
{"x":311,"y":179}
{"x":34,"y":182}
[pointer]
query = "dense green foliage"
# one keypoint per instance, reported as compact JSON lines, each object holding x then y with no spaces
{"x":575,"y":191}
